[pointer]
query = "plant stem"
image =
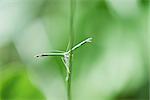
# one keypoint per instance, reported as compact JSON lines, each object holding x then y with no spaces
{"x":71,"y":36}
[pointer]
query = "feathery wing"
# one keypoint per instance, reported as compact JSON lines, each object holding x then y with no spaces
{"x":53,"y":53}
{"x":88,"y":40}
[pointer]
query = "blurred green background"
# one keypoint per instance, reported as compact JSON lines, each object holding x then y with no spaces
{"x":115,"y":66}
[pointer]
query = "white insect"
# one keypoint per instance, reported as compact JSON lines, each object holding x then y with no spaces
{"x":65,"y":55}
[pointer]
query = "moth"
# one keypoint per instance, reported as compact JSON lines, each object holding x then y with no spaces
{"x":65,"y":55}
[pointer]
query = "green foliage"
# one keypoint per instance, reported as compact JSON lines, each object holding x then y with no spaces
{"x":113,"y":67}
{"x":15,"y":84}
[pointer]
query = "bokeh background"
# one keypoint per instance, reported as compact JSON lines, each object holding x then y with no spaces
{"x":115,"y":66}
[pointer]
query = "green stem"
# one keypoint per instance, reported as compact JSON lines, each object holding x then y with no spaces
{"x":71,"y":45}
